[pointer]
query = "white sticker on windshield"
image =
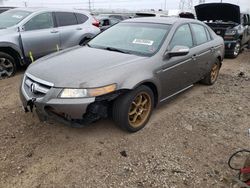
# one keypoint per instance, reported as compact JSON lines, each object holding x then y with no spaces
{"x":17,"y":16}
{"x":143,"y":42}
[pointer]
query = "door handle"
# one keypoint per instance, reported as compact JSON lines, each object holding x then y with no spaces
{"x":78,"y":28}
{"x":54,"y":31}
{"x":212,"y":49}
{"x":194,"y":57}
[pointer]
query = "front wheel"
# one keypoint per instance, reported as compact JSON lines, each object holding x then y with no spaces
{"x":212,"y":76}
{"x":132,"y":110}
{"x":7,"y":65}
{"x":237,"y":50}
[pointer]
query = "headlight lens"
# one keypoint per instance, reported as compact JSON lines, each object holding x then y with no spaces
{"x":231,"y":32}
{"x":82,"y":93}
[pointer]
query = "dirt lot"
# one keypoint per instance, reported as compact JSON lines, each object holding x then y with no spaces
{"x":186,"y":143}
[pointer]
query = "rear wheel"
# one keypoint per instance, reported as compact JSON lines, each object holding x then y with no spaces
{"x":132,"y":111}
{"x":212,"y":76}
{"x":7,"y":65}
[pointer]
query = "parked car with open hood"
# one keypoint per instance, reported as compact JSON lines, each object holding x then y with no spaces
{"x":227,"y":21}
{"x":124,"y":72}
{"x":27,"y":34}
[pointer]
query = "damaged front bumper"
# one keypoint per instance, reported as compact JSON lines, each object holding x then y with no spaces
{"x":48,"y":105}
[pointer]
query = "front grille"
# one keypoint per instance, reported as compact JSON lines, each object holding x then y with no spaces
{"x":35,"y":87}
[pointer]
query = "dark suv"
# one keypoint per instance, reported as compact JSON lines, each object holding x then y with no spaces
{"x":227,"y":21}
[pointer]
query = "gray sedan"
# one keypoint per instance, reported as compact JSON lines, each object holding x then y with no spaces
{"x":124,"y":72}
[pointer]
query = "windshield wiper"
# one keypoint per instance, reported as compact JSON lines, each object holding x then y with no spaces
{"x":116,"y":50}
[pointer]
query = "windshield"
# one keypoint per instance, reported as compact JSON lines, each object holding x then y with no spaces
{"x":12,"y":17}
{"x":134,"y":38}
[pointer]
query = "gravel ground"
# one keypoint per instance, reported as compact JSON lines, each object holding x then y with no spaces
{"x":186,"y":143}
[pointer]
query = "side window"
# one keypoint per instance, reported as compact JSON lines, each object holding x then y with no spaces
{"x":81,"y":18}
{"x":41,"y":21}
{"x":199,"y":33}
{"x":182,"y":37}
{"x":66,"y":18}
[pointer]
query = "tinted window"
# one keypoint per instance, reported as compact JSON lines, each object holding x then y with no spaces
{"x":41,"y":21}
{"x":81,"y":18}
{"x":199,"y":33}
{"x":182,"y":37}
{"x":66,"y":18}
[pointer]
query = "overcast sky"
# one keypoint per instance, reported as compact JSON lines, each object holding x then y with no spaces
{"x":119,"y":4}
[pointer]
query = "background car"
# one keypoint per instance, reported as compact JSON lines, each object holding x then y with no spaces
{"x":4,"y":9}
{"x":227,"y":21}
{"x":137,"y":64}
{"x":105,"y":23}
{"x":27,"y":34}
{"x":117,"y":16}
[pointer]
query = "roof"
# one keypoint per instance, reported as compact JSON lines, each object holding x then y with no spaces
{"x":41,"y":9}
{"x":161,"y":20}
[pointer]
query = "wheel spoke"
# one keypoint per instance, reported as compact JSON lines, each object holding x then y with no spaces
{"x":135,"y":118}
{"x":132,"y":112}
{"x":140,"y":100}
{"x":144,"y":102}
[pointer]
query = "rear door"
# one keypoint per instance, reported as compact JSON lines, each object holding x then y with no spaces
{"x":205,"y":49}
{"x":71,"y":29}
{"x":39,"y":36}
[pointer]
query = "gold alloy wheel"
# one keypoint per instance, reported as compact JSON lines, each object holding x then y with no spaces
{"x":139,"y":109}
{"x":214,"y":72}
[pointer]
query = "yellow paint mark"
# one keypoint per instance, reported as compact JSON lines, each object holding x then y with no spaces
{"x":31,"y":57}
{"x":57,"y":48}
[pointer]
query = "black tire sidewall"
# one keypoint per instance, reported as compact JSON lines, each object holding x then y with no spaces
{"x":11,"y":59}
{"x":122,"y":105}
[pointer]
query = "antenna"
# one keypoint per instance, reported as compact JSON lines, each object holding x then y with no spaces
{"x":186,"y":5}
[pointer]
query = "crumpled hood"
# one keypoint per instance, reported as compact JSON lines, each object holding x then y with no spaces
{"x":218,"y":11}
{"x":76,"y":67}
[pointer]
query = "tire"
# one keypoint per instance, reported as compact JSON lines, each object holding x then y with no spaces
{"x":132,"y":110}
{"x":7,"y":65}
{"x":213,"y":74}
{"x":237,"y":50}
{"x":248,"y":45}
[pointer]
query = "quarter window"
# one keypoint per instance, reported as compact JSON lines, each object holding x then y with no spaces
{"x":182,"y":37}
{"x":66,"y":18}
{"x":199,"y":33}
{"x":81,"y":18}
{"x":41,"y":21}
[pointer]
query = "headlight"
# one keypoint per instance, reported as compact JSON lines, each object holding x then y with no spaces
{"x":231,"y":32}
{"x":82,"y":93}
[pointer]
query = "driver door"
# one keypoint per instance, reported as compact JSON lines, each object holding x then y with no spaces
{"x":178,"y":73}
{"x":39,"y":36}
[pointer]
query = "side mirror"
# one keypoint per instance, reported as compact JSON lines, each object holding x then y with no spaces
{"x":21,"y":28}
{"x":178,"y":51}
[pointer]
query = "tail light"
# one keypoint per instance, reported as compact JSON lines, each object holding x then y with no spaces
{"x":96,"y":23}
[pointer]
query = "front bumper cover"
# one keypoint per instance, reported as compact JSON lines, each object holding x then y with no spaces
{"x":50,"y":105}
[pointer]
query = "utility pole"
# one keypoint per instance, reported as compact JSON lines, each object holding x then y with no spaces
{"x":165,"y":5}
{"x":201,"y":1}
{"x":89,"y":6}
{"x":25,"y":4}
{"x":186,"y":5}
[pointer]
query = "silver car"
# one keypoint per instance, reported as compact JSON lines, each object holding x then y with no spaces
{"x":27,"y":34}
{"x":124,"y":72}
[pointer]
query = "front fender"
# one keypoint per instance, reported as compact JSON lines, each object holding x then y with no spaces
{"x":14,"y":47}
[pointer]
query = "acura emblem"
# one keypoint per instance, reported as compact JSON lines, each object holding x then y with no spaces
{"x":33,"y":87}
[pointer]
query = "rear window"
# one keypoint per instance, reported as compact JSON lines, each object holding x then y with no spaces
{"x":81,"y":18}
{"x":66,"y":18}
